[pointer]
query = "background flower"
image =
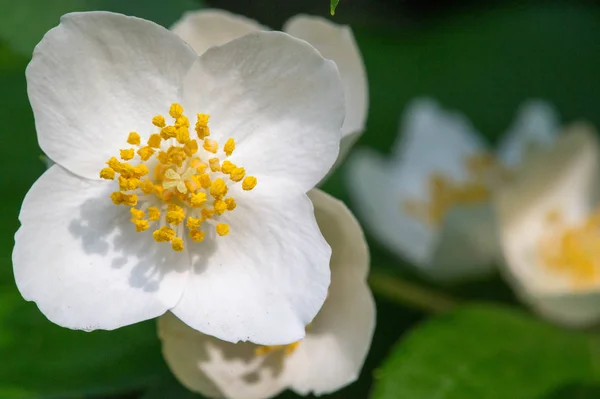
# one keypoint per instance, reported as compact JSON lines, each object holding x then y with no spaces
{"x":431,"y":201}
{"x":549,"y":229}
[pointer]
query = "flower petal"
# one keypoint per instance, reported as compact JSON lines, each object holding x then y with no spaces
{"x":378,"y":195}
{"x":336,"y":43}
{"x":98,"y":76}
{"x":434,"y":141}
{"x":329,"y":357}
{"x":338,"y":339}
{"x":278,"y":98}
{"x":77,"y":256}
{"x":467,"y":246}
{"x":341,"y":231}
{"x":215,"y":368}
{"x":264,"y":281}
{"x":561,"y":178}
{"x":536,"y":125}
{"x":203,"y":29}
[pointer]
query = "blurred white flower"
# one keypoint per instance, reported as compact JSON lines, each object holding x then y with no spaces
{"x":549,"y":219}
{"x":212,"y":224}
{"x":430,"y":201}
{"x":204,"y":29}
{"x":328,"y":358}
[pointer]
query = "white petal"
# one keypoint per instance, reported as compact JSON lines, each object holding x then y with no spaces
{"x":434,"y":140}
{"x":338,"y":339}
{"x":278,"y":98}
{"x":215,"y":368}
{"x":329,"y":357}
{"x":341,"y":231}
{"x":98,"y":76}
{"x":336,"y":43}
{"x":264,"y":281}
{"x":77,"y":256}
{"x":378,"y":195}
{"x":468,"y":244}
{"x":562,"y":178}
{"x":536,"y":125}
{"x":206,"y":28}
{"x":576,"y":309}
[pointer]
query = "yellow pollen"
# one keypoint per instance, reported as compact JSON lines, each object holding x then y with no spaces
{"x":168,"y":132}
{"x":137,"y":213}
{"x":198,"y":199}
{"x":227,"y":167}
{"x":222,"y":229}
{"x":287,"y":349}
{"x":193,"y":223}
{"x":190,"y":148}
{"x":177,"y":244}
{"x":128,"y":154}
{"x":175,"y":214}
{"x":205,"y":180}
{"x":133,"y":138}
{"x":220,"y":207}
{"x":154,"y":140}
{"x":572,"y":250}
{"x":164,"y":234}
{"x":183,"y":135}
{"x":229,"y":147}
{"x":202,"y":128}
{"x":197,"y":235}
{"x":483,"y":172}
{"x":168,"y":182}
{"x":237,"y":174}
{"x":211,"y":145}
{"x":249,"y":183}
{"x":176,"y":110}
{"x":141,"y":225}
{"x":153,"y":213}
{"x":230,"y":203}
{"x":145,"y":153}
{"x":214,"y":164}
{"x":159,"y":121}
{"x":107,"y":173}
{"x":218,"y":189}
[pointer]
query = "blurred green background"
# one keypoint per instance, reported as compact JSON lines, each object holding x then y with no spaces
{"x":481,"y":58}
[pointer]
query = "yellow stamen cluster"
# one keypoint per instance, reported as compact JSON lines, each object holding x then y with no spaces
{"x":573,"y":251}
{"x":444,"y":193}
{"x":287,"y":349}
{"x":174,"y":187}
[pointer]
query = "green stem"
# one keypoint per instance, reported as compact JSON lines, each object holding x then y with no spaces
{"x":410,"y":294}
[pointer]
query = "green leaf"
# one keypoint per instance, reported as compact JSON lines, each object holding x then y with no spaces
{"x":485,"y":351}
{"x":24,"y":22}
{"x":38,"y":357}
{"x":333,"y":5}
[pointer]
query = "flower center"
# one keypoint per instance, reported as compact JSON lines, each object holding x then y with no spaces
{"x":173,"y":183}
{"x":573,"y":251}
{"x":287,"y":349}
{"x":483,"y":172}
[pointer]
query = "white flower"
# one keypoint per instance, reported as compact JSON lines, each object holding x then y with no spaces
{"x":328,"y":358}
{"x":206,"y":28}
{"x":226,"y":236}
{"x":550,"y":229}
{"x":430,"y":201}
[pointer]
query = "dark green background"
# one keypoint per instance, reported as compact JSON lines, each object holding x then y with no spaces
{"x":482,"y":58}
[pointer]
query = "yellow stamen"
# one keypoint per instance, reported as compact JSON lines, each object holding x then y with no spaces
{"x":193,"y":223}
{"x":137,"y":213}
{"x":214,"y":164}
{"x":211,"y":146}
{"x":229,"y":147}
{"x":107,"y":173}
{"x":249,"y":183}
{"x":133,"y":138}
{"x":177,"y":244}
{"x":175,"y":214}
{"x":145,"y":153}
{"x":128,"y":154}
{"x":222,"y":229}
{"x":153,"y":213}
{"x":164,"y":234}
{"x":197,"y":235}
{"x":230,"y":203}
{"x":218,"y":189}
{"x":141,"y":225}
{"x":220,"y":207}
{"x":237,"y":174}
{"x":227,"y":167}
{"x":154,"y":140}
{"x":159,"y":121}
{"x":176,"y":110}
{"x":198,"y":199}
